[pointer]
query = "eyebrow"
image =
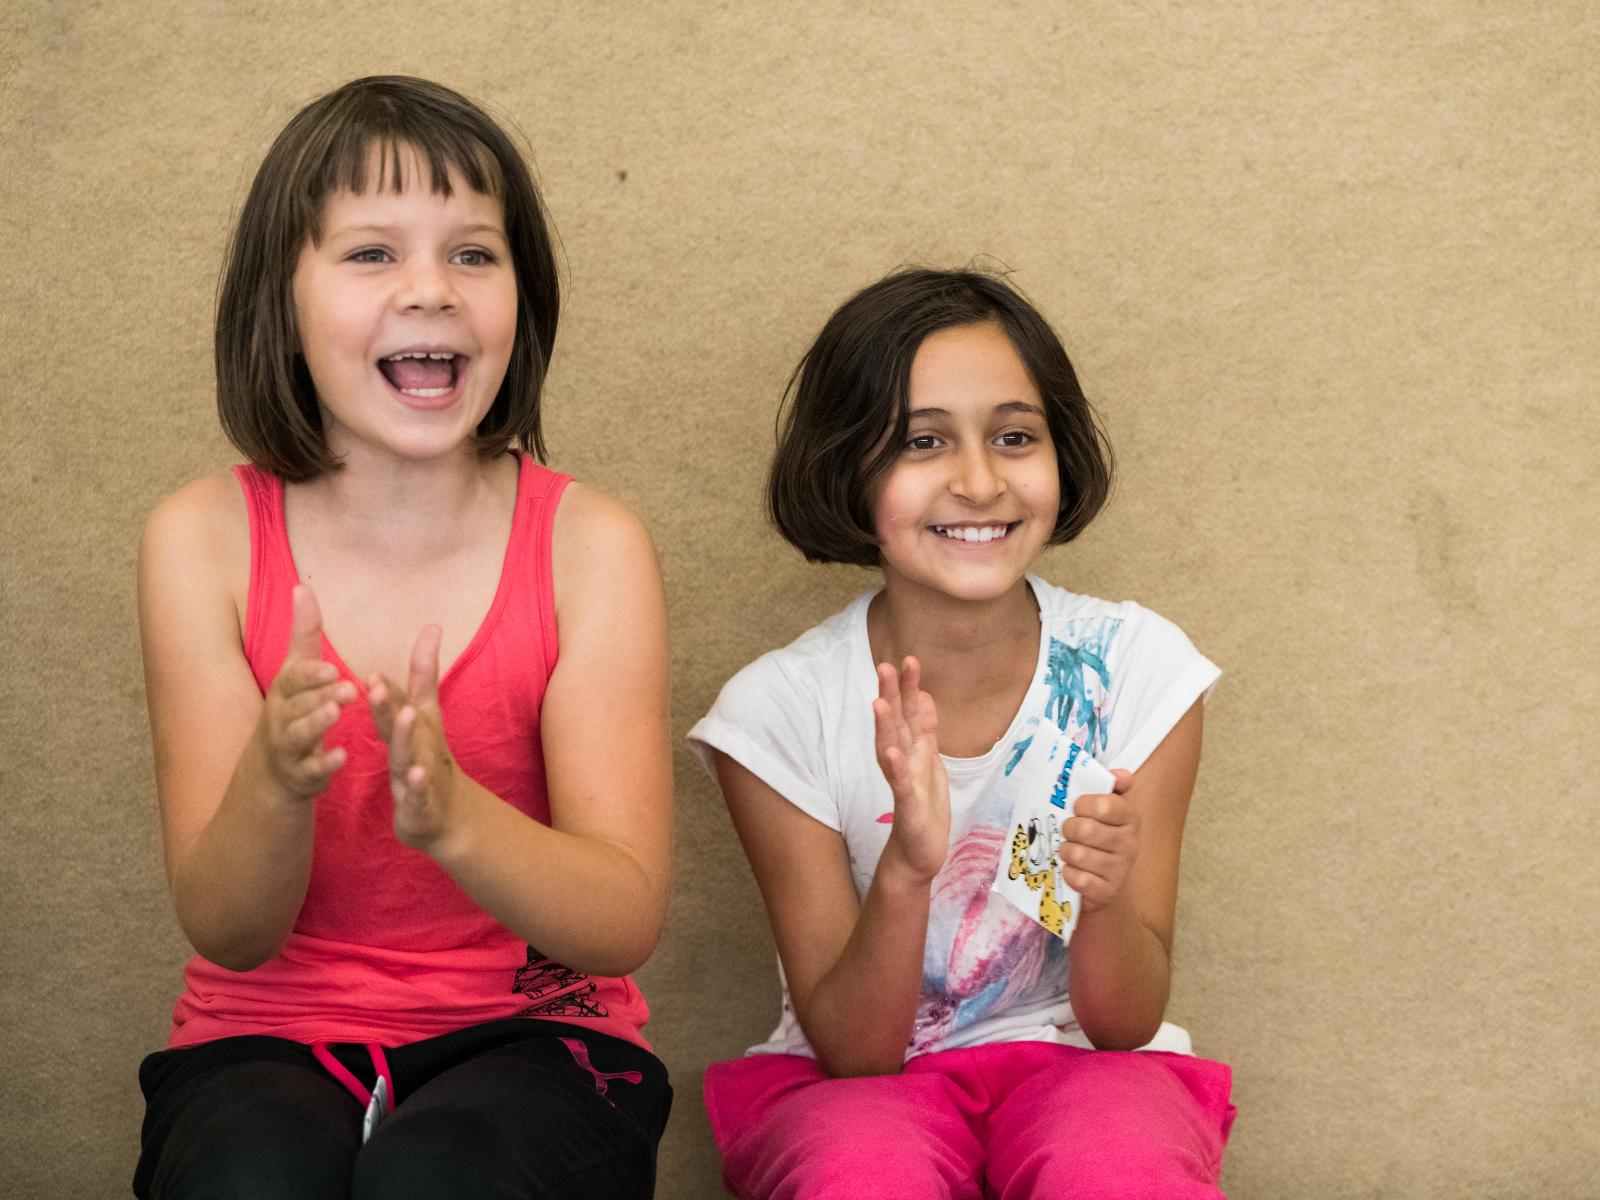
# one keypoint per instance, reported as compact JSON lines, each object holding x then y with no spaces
{"x":389,"y":230}
{"x":1010,"y":406}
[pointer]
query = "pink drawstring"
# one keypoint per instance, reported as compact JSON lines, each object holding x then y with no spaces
{"x":380,"y":1067}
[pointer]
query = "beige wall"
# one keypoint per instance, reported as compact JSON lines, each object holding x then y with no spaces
{"x":1333,"y":273}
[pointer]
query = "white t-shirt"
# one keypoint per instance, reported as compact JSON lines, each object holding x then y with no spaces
{"x":1113,"y":677}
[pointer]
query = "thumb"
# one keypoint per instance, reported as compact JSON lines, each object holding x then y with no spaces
{"x":1124,"y":780}
{"x":424,"y":685}
{"x":305,"y":628}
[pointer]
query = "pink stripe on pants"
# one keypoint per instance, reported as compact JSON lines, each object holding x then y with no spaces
{"x":1010,"y":1121}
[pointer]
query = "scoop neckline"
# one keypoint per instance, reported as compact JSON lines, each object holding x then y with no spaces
{"x":491,"y":617}
{"x":1019,"y":720}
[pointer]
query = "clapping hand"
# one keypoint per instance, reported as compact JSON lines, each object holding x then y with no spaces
{"x":906,"y":725}
{"x":302,"y":704}
{"x":421,"y":770}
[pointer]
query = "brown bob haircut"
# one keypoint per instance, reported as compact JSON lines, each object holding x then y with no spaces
{"x":357,"y":137}
{"x":844,"y":420}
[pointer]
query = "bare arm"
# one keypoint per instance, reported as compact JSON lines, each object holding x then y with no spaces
{"x":834,"y":950}
{"x":590,"y":889}
{"x":236,"y":773}
{"x":1122,"y":854}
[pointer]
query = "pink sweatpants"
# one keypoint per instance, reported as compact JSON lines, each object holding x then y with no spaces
{"x":1013,"y":1121}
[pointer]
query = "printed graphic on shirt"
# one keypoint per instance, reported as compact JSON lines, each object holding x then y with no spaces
{"x":1078,"y":685}
{"x":555,"y":990}
{"x":983,"y":956}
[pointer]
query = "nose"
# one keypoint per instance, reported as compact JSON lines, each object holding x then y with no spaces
{"x":977,"y":478}
{"x":426,"y":286}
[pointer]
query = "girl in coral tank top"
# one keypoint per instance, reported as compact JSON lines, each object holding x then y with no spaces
{"x":387,"y":662}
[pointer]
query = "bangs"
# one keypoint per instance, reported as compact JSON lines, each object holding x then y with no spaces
{"x":382,"y":149}
{"x":356,"y":163}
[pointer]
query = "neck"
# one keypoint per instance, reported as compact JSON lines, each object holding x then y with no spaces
{"x":421,"y":504}
{"x":975,"y":646}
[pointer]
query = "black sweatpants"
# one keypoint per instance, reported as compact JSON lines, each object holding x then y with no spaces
{"x":504,"y":1109}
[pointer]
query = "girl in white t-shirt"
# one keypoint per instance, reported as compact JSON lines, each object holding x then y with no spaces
{"x":930,"y":1045}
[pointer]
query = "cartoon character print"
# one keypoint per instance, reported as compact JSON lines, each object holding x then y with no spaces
{"x":1035,"y":860}
{"x":555,"y":990}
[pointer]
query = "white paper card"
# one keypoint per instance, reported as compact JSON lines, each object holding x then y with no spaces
{"x":1029,"y":874}
{"x":377,"y":1108}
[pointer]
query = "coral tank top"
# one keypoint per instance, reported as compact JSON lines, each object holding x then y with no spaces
{"x":387,"y":948}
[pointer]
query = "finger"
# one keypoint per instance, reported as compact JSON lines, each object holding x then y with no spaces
{"x":424,"y":684}
{"x":402,"y":743}
{"x":305,"y":625}
{"x":1094,"y":890}
{"x":303,"y":733}
{"x":1124,"y":780}
{"x":384,"y":700}
{"x":304,"y":703}
{"x":889,"y":694}
{"x":883,"y":732}
{"x":1091,"y":861}
{"x":320,"y":767}
{"x":928,"y":718}
{"x":910,"y":690}
{"x":298,"y":675}
{"x":1084,"y":831}
{"x":1105,"y":808}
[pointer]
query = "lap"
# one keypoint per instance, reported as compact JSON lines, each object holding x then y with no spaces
{"x":554,"y":1116}
{"x":1111,"y":1124}
{"x":1028,"y":1119}
{"x":514,"y":1108}
{"x":247,"y":1118}
{"x":788,"y":1132}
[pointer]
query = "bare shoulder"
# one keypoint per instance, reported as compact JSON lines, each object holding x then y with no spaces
{"x":196,"y":544}
{"x":597,"y":542}
{"x":207,"y":517}
{"x":586,"y":514}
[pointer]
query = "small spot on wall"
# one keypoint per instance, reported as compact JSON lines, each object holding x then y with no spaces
{"x":1445,"y":562}
{"x":622,"y":176}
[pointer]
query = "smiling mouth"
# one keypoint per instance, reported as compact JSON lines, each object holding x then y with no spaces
{"x":975,"y":533}
{"x":423,"y":374}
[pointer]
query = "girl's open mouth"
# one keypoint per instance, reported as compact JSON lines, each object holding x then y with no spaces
{"x":428,"y":378}
{"x":976,"y":534}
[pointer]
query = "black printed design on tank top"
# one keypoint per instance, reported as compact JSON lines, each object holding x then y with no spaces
{"x":556,"y":990}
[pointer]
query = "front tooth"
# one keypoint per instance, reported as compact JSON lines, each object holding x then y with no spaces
{"x":970,"y":534}
{"x":441,"y":356}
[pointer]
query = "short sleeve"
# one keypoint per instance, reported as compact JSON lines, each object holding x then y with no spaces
{"x":771,"y":724}
{"x":1156,"y":675}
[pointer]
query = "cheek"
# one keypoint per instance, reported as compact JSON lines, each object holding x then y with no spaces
{"x":892,"y":510}
{"x":505,"y":322}
{"x":1044,"y":488}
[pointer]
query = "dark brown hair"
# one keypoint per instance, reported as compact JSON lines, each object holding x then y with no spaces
{"x":265,"y":395}
{"x":844,"y":418}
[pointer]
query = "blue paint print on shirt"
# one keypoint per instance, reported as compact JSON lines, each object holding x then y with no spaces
{"x":1069,"y":670}
{"x":1018,"y":749}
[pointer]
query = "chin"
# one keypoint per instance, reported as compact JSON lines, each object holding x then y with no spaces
{"x":970,"y":587}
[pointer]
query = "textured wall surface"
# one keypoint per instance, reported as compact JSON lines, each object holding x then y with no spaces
{"x":1331,"y":271}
